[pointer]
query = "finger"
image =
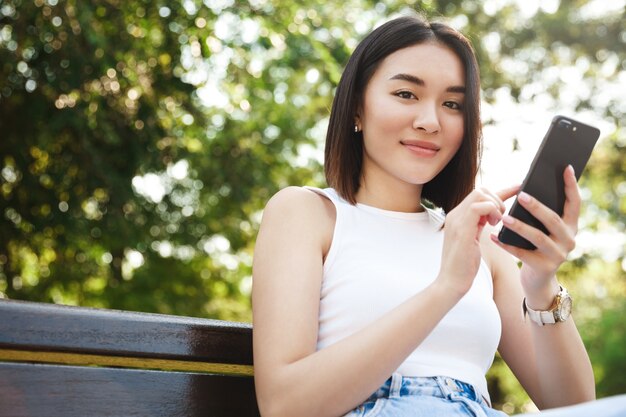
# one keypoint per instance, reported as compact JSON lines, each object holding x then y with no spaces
{"x":507,"y":193}
{"x":482,"y":195}
{"x":555,"y":225}
{"x":487,"y":210}
{"x":475,"y":216}
{"x":571,"y":211}
{"x":488,"y":195}
{"x":524,"y":255}
{"x":544,"y":243}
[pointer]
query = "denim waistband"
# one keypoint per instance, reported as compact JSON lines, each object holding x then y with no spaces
{"x":436,"y":386}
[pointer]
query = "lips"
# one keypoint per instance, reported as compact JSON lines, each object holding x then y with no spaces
{"x":420,"y":147}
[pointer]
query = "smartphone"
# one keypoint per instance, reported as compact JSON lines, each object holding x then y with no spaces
{"x":567,"y":142}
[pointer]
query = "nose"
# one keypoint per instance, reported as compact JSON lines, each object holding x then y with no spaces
{"x":427,"y":119}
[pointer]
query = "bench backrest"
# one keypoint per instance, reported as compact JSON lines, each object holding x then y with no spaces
{"x":73,"y":361}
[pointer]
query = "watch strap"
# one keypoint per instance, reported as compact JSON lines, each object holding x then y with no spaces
{"x":544,"y":317}
{"x":540,"y":317}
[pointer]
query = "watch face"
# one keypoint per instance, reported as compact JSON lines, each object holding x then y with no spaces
{"x":566,"y":309}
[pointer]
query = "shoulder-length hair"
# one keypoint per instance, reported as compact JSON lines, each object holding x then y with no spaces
{"x":344,"y":148}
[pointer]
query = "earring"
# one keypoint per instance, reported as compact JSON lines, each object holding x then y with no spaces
{"x":356,"y":128}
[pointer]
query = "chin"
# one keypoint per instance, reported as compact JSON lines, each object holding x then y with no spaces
{"x":419,"y":178}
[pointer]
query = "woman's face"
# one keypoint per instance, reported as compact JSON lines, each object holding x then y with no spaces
{"x":412,"y":115}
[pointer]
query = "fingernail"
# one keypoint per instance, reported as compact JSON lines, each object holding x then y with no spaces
{"x":508,"y":219}
{"x":571,"y":169}
{"x":523,"y":197}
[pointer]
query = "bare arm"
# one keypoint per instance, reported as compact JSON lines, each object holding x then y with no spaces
{"x":550,"y":361}
{"x":291,"y":377}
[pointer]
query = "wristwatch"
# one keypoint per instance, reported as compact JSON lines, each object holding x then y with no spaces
{"x":559,"y":311}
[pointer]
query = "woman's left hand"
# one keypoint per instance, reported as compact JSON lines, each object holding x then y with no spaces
{"x":540,"y":265}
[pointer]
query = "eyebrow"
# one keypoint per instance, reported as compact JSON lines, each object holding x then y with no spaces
{"x":419,"y":82}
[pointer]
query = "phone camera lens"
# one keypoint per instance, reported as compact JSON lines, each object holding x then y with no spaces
{"x":564,"y":124}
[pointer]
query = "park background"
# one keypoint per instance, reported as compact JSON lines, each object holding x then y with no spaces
{"x":140,"y":140}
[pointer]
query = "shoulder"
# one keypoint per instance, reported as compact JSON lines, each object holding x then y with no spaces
{"x":300,"y":213}
{"x":298,"y":201}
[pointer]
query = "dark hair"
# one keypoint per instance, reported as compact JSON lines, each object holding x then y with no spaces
{"x":344,"y":151}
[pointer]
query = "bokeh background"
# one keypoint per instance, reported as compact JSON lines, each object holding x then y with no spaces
{"x":140,"y":140}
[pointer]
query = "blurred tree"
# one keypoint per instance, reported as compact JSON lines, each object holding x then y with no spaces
{"x":140,"y":140}
{"x":91,"y":97}
{"x":602,"y":268}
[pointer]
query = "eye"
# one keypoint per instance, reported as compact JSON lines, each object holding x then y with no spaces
{"x":453,"y":105}
{"x":405,"y":95}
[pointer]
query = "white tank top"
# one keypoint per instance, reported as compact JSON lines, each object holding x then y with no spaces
{"x":380,"y":258}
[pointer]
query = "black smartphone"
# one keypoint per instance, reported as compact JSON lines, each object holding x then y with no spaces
{"x":567,"y":142}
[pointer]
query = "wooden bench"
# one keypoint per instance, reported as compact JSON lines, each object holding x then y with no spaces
{"x":73,"y":361}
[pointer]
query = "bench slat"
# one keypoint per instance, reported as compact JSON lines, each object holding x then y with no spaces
{"x":50,"y":327}
{"x":38,"y":390}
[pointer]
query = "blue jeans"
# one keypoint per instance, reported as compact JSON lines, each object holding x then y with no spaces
{"x":425,"y":397}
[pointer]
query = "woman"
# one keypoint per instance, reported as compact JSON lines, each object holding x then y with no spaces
{"x":364,"y":302}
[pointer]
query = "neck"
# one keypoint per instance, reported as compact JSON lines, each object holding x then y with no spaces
{"x":401,"y":197}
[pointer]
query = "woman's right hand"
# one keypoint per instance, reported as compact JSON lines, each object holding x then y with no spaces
{"x":462,"y":230}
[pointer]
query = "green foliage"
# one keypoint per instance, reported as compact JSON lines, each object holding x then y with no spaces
{"x":505,"y":391}
{"x":606,"y":343}
{"x":217,"y":105}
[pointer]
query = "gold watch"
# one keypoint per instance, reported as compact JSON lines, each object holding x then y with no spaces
{"x":559,"y":311}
